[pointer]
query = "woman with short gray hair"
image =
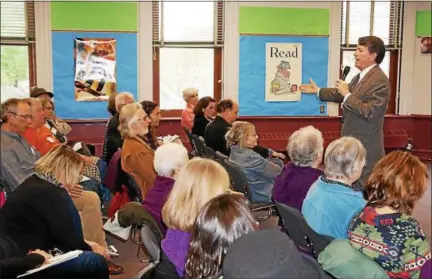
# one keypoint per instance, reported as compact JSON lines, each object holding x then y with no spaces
{"x":305,"y":148}
{"x":331,"y":202}
{"x":190,"y":95}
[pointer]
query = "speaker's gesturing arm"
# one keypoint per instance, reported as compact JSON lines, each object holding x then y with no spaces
{"x":325,"y":94}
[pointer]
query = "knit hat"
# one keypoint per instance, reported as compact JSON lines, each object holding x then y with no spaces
{"x":268,"y":254}
{"x":37,"y":91}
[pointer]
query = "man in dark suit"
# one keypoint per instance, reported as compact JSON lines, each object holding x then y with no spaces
{"x":214,"y":134}
{"x":364,"y":101}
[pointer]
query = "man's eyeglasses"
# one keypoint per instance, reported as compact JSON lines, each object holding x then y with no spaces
{"x":26,"y":116}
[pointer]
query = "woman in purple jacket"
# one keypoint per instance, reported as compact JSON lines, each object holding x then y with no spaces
{"x":169,"y":159}
{"x":305,"y":149}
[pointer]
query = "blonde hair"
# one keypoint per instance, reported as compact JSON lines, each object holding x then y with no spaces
{"x":238,"y":133}
{"x":61,"y":163}
{"x":127,"y":116}
{"x":199,"y":181}
{"x":46,"y":102}
{"x":188,"y":93}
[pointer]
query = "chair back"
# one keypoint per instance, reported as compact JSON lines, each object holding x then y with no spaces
{"x":198,"y":144}
{"x":237,"y":177}
{"x":151,"y":242}
{"x":134,"y":190}
{"x":209,"y":153}
{"x":296,"y":227}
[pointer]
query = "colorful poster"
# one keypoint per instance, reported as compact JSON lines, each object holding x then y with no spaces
{"x":426,"y":45}
{"x":283,"y":72}
{"x":95,"y":68}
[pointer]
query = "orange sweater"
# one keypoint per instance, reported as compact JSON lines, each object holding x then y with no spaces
{"x":41,"y":139}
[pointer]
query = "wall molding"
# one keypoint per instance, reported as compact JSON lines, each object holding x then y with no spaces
{"x":145,"y":51}
{"x":44,"y":68}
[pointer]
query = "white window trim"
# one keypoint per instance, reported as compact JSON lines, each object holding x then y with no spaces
{"x":145,"y":51}
{"x":44,"y":69}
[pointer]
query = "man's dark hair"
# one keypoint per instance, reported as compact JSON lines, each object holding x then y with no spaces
{"x":223,"y":105}
{"x":374,"y":45}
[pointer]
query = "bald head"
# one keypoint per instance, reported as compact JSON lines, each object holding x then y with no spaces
{"x":123,"y":99}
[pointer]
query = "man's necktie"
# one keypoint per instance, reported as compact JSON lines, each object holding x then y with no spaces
{"x":355,"y":80}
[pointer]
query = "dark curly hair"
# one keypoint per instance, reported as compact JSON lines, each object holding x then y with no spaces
{"x":148,"y":107}
{"x":221,"y":221}
{"x":202,"y":104}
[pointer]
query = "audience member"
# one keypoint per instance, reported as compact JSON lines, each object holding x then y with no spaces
{"x":190,"y":95}
{"x":153,"y":111}
{"x":204,"y":113}
{"x":385,"y":230}
{"x":60,"y":125}
{"x":137,"y":156}
{"x":259,"y":172}
{"x":305,"y":149}
{"x":113,"y":140}
{"x":220,"y":222}
{"x":17,"y":156}
{"x":48,"y":111}
{"x":268,"y":254}
{"x":40,"y":214}
{"x":197,"y":183}
{"x":331,"y":202}
{"x":169,"y":159}
{"x":111,"y":107}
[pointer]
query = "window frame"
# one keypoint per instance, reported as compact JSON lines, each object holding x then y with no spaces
{"x":394,"y":49}
{"x":29,"y":41}
{"x":217,"y":46}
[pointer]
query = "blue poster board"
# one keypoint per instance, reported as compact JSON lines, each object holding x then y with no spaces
{"x":63,"y":73}
{"x":252,"y":76}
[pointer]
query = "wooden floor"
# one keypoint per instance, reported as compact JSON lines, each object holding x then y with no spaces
{"x":422,"y":213}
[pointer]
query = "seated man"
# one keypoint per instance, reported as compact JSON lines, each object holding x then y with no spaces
{"x":17,"y":156}
{"x":113,"y":140}
{"x":214,"y":134}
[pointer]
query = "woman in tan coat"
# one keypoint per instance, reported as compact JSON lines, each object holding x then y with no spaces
{"x":137,"y":155}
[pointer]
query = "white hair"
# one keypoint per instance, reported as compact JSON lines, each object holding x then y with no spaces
{"x":170,"y":157}
{"x":344,"y":157}
{"x":123,"y":99}
{"x":304,"y":146}
{"x":188,"y":93}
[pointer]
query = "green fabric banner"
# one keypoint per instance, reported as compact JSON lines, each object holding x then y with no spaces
{"x":94,"y":16}
{"x":423,"y":24}
{"x":284,"y":21}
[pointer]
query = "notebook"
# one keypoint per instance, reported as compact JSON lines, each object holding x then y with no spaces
{"x":54,"y":261}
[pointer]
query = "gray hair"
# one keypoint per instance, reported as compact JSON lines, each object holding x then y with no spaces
{"x":33,"y":101}
{"x":127,"y":116}
{"x":304,"y":146}
{"x":344,"y":157}
{"x":170,"y":157}
{"x":188,"y":93}
{"x":123,"y":99}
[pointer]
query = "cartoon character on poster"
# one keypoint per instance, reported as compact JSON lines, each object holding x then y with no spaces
{"x":283,"y":71}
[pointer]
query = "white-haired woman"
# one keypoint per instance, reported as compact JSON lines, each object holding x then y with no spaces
{"x":137,"y":156}
{"x":305,"y":149}
{"x":259,"y":171}
{"x":190,"y":95}
{"x":332,"y":202}
{"x":168,"y":161}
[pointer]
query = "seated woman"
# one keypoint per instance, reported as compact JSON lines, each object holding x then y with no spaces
{"x":305,"y":149}
{"x":137,"y":155}
{"x":331,"y":202}
{"x":153,"y":111}
{"x":260,"y":172}
{"x":40,"y":214}
{"x":190,"y":95}
{"x":197,"y":183}
{"x":220,"y":222}
{"x":204,"y":112}
{"x":385,"y":230}
{"x":169,"y":159}
{"x":48,"y":110}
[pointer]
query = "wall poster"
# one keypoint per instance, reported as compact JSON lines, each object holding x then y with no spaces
{"x":95,"y":68}
{"x":283,"y":72}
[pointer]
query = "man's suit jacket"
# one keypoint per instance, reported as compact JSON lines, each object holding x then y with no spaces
{"x":363,"y":113}
{"x":214,"y":136}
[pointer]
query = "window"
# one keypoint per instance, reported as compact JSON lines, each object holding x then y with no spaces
{"x":17,"y":49}
{"x":381,"y":19}
{"x":187,"y":42}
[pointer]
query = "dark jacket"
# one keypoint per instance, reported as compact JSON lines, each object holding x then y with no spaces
{"x":292,"y":184}
{"x":214,"y":136}
{"x":37,"y":215}
{"x":200,"y":123}
{"x":113,"y":139}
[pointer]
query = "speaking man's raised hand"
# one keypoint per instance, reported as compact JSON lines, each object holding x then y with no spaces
{"x":310,"y":88}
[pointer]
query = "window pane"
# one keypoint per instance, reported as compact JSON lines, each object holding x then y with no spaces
{"x":14,"y":72}
{"x":13,"y":19}
{"x":359,"y":21}
{"x":348,"y":60}
{"x":182,"y":68}
{"x":188,"y":21}
{"x":381,"y":26}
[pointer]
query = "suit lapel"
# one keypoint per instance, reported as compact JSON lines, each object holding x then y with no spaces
{"x":357,"y":88}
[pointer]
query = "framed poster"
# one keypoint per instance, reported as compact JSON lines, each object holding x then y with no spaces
{"x":95,"y":68}
{"x":426,"y":45}
{"x":283,"y":72}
